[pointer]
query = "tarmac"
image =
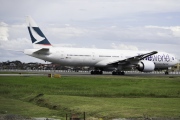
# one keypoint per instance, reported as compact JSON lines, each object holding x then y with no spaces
{"x":80,"y":73}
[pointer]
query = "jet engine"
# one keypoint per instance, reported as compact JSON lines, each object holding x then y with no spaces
{"x":146,"y":66}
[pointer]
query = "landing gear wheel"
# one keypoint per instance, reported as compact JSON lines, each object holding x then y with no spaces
{"x":96,"y":72}
{"x":92,"y":72}
{"x":122,"y":73}
{"x":118,"y":73}
{"x":114,"y":73}
{"x":166,"y":73}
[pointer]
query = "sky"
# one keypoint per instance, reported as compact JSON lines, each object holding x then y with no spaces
{"x":109,"y":24}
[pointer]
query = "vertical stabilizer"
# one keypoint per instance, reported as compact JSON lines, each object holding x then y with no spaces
{"x":37,"y":37}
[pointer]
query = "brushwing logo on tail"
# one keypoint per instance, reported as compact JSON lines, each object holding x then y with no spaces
{"x":37,"y":37}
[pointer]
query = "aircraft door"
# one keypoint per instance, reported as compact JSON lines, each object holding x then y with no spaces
{"x":93,"y":56}
{"x":62,"y":55}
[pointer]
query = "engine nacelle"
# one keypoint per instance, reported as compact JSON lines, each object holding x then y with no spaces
{"x":146,"y":66}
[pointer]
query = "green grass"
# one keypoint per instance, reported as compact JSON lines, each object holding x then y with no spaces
{"x":101,"y":97}
{"x":16,"y":72}
{"x":12,"y":106}
{"x":117,"y":107}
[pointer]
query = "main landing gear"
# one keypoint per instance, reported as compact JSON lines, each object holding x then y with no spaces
{"x":118,"y":73}
{"x":96,"y":72}
{"x":166,"y":72}
{"x":100,"y":72}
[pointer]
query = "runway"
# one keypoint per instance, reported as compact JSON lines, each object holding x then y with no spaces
{"x":80,"y":73}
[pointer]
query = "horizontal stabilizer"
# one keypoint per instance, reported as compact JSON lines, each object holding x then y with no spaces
{"x":43,"y":51}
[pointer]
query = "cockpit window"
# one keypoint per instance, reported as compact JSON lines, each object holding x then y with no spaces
{"x":172,"y":58}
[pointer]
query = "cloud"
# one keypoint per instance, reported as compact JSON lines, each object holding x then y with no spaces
{"x":68,"y":10}
{"x":16,"y":44}
{"x":11,"y":37}
{"x":3,"y":31}
{"x":140,"y":34}
{"x":123,"y":47}
{"x":12,"y":40}
{"x":67,"y":32}
{"x":174,"y":30}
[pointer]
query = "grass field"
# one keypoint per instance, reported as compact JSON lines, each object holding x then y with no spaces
{"x":99,"y":96}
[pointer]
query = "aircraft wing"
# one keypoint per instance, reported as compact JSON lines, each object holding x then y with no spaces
{"x":134,"y":59}
{"x":44,"y":51}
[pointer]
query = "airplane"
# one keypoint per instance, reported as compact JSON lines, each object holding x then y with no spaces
{"x":117,"y":61}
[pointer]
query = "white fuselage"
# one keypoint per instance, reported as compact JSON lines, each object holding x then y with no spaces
{"x":99,"y":57}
